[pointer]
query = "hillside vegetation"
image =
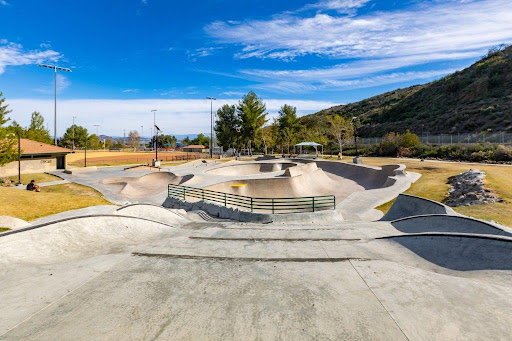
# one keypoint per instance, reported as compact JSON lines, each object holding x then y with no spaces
{"x":476,"y":99}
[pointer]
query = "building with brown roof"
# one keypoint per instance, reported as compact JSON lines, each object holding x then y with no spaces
{"x":37,"y":157}
{"x":194,"y":148}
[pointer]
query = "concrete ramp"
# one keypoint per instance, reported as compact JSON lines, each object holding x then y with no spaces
{"x":76,"y":238}
{"x":407,"y":205}
{"x":448,"y":223}
{"x":249,"y":168}
{"x":460,"y":252}
{"x":144,"y":186}
{"x":156,"y":213}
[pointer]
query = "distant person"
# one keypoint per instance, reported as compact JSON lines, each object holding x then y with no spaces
{"x":32,"y":186}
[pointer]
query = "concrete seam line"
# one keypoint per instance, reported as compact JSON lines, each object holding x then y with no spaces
{"x":274,"y":239}
{"x":387,"y":311}
{"x":451,"y":234}
{"x":248,"y":259}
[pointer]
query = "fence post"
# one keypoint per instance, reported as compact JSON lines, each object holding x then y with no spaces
{"x":225,"y":200}
{"x":184,"y":193}
{"x":313,"y":204}
{"x":272,"y":205}
{"x":251,"y":204}
{"x":202,"y":194}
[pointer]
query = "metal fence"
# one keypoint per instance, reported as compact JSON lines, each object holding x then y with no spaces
{"x":439,"y":139}
{"x":265,"y":205}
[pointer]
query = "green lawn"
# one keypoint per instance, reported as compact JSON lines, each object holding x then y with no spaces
{"x":28,"y":205}
{"x":433,"y":185}
{"x":38,"y":177}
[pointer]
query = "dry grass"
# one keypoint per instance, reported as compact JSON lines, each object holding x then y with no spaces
{"x":51,"y":200}
{"x":3,"y":229}
{"x":38,"y":178}
{"x":433,"y":185}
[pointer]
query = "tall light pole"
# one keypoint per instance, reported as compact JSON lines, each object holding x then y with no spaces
{"x":211,"y":130}
{"x":142,"y":135}
{"x":54,"y":68}
{"x":97,"y":125}
{"x":74,"y":133}
{"x":155,"y":144}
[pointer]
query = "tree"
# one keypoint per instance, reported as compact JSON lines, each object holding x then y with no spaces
{"x":227,"y":126}
{"x":134,"y":138}
{"x":93,"y":142}
{"x":7,"y":138}
{"x":109,"y":143}
{"x":76,"y":134}
{"x":288,"y":125}
{"x":201,"y":139}
{"x":186,"y":141}
{"x":251,"y":111}
{"x":36,"y":130}
{"x":341,"y":129}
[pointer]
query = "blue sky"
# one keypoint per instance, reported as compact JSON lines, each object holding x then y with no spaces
{"x":131,"y":56}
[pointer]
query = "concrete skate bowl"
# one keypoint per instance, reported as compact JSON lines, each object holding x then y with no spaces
{"x":311,"y":179}
{"x":250,"y":168}
{"x":409,"y":205}
{"x":146,"y":185}
{"x":449,"y":224}
{"x":78,"y":237}
{"x":464,"y":252}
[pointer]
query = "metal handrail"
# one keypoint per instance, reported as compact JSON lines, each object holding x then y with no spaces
{"x":290,"y":205}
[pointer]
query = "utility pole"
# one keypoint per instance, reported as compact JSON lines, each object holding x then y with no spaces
{"x":55,"y":68}
{"x":155,"y":143}
{"x":211,"y":128}
{"x":74,"y":133}
{"x":19,"y":159}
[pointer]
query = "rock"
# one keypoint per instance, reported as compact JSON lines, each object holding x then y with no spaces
{"x":468,"y":189}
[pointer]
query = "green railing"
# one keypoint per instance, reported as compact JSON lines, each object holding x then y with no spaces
{"x":267,"y":205}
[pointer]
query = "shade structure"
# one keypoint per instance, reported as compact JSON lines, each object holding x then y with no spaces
{"x":309,"y":144}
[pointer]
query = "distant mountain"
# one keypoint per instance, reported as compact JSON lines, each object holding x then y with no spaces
{"x":476,"y":99}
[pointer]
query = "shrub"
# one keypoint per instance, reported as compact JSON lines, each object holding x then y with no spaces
{"x":503,"y":153}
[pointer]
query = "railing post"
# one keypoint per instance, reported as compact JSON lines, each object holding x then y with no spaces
{"x":225,"y":200}
{"x":251,"y":204}
{"x":184,"y":193}
{"x":313,"y":204}
{"x":202,"y":194}
{"x":272,"y":205}
{"x":333,"y":202}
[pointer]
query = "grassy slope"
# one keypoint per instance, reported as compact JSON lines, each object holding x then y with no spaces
{"x":475,"y":99}
{"x":52,"y":199}
{"x":433,"y":185}
{"x":38,"y":177}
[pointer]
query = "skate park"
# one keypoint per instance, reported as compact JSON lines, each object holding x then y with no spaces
{"x":163,"y":267}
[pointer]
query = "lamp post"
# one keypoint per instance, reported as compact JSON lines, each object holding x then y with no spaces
{"x":74,"y":133}
{"x":55,"y":68}
{"x":357,"y":159}
{"x":19,"y":159}
{"x":211,"y":129}
{"x":97,"y":125}
{"x":155,"y":143}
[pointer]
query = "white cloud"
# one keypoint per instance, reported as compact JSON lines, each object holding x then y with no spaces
{"x":342,"y":6}
{"x":434,"y":27}
{"x":12,"y":54}
{"x":174,"y":116}
{"x":63,"y":83}
{"x":4,"y":3}
{"x":233,"y":93}
{"x":130,"y":90}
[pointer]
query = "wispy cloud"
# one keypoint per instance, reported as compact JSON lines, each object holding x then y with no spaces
{"x":341,"y":6}
{"x":130,"y":90}
{"x":12,"y":54}
{"x":174,"y":116}
{"x":63,"y":83}
{"x":3,"y":2}
{"x":233,"y":93}
{"x":432,"y":27}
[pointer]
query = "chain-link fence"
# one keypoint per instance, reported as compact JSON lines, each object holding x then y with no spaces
{"x":466,"y":138}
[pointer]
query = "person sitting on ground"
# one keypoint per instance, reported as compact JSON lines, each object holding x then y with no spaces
{"x":32,"y":186}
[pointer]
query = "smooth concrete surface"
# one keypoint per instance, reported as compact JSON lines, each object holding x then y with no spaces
{"x":13,"y":223}
{"x":147,"y":272}
{"x":407,"y":205}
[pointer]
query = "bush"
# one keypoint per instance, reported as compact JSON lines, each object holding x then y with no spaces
{"x":503,"y":153}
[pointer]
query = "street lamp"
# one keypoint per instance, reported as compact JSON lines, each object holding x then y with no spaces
{"x":211,"y":131}
{"x":55,"y":68}
{"x":97,"y":125}
{"x":155,"y":144}
{"x":142,"y":136}
{"x":354,"y":121}
{"x":74,"y":133}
